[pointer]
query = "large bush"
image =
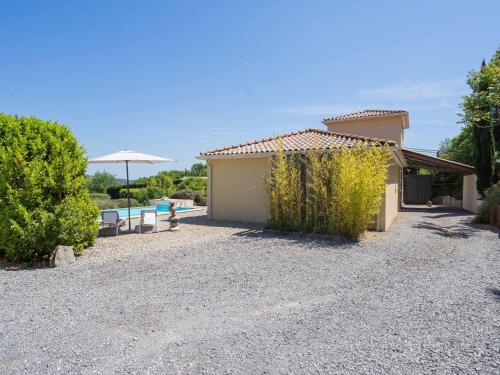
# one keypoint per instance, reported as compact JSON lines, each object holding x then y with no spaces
{"x":114,"y":191}
{"x":193,"y":183}
{"x":337,"y":192}
{"x":44,"y":200}
{"x":106,"y":204}
{"x":138,"y":194}
{"x":490,"y":202}
{"x":95,"y":196}
{"x":196,"y":196}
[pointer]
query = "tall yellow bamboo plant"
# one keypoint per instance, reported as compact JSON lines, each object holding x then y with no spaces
{"x":342,"y":193}
{"x":286,"y":194}
{"x":358,"y":184}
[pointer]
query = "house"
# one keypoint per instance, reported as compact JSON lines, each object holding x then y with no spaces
{"x":236,"y":174}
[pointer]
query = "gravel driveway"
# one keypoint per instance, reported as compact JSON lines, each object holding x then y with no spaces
{"x":423,"y":297}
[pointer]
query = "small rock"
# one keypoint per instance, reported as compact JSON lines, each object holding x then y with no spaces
{"x":61,"y":256}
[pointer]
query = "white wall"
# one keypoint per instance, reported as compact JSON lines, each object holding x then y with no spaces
{"x":470,"y":199}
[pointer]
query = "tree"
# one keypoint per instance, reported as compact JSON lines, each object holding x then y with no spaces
{"x":44,"y":201}
{"x":478,"y":114}
{"x":101,"y":181}
{"x":162,"y":181}
{"x":199,"y":170}
{"x":458,"y":148}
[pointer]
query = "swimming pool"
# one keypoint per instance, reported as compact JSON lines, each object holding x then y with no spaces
{"x":136,"y":211}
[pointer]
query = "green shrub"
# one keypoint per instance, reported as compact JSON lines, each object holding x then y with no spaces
{"x":196,"y":196}
{"x":337,"y":192}
{"x":153,"y":192}
{"x":162,"y":182}
{"x":193,"y":183}
{"x":44,"y":201}
{"x":114,"y":191}
{"x":99,"y":196}
{"x":105,"y":204}
{"x":108,"y":204}
{"x":184,"y":194}
{"x":200,"y":200}
{"x":123,"y":203}
{"x":138,"y":194}
{"x":491,"y":200}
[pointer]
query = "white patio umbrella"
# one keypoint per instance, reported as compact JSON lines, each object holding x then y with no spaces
{"x":127,"y":156}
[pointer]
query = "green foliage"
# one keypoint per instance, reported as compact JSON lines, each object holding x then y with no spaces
{"x":105,"y":204}
{"x":76,"y":223}
{"x":44,"y":201}
{"x":138,"y":194}
{"x":198,"y":197}
{"x":184,"y":194}
{"x":199,"y":170}
{"x":114,"y":191}
{"x":193,"y":183}
{"x":458,"y":148}
{"x":200,"y":200}
{"x":99,"y":196}
{"x":101,"y":181}
{"x":341,"y":195}
{"x":154,"y":192}
{"x":163,"y":182}
{"x":490,"y":202}
{"x":478,"y":114}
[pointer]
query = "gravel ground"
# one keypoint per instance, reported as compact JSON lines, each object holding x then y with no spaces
{"x":423,"y":297}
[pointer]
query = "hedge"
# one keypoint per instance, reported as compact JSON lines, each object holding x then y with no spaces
{"x":44,"y":201}
{"x":114,"y":191}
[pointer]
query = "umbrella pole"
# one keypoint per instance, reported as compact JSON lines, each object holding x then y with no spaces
{"x":128,"y":198}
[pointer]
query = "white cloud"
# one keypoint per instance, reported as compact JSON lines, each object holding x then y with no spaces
{"x":408,"y":92}
{"x":410,"y":96}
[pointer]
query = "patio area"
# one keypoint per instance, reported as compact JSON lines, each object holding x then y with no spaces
{"x":223,"y":297}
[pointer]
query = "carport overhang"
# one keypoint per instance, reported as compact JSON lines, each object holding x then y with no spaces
{"x":470,"y":196}
{"x":419,"y":160}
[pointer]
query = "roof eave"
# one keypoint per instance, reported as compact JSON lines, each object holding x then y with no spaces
{"x":404,"y":115}
{"x":395,"y":153}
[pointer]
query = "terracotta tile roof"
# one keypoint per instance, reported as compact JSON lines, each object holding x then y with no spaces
{"x":367,"y":113}
{"x":304,"y":140}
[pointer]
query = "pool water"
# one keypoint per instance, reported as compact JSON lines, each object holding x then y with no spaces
{"x":136,"y":211}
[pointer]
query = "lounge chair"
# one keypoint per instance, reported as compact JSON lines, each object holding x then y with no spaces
{"x":149,"y":218}
{"x":111,"y":219}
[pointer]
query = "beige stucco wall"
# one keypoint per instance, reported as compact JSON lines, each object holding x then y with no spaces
{"x":390,"y":203}
{"x":470,"y":197}
{"x":237,"y":189}
{"x":384,"y":128}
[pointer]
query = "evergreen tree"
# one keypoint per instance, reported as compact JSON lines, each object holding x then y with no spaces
{"x":478,"y":114}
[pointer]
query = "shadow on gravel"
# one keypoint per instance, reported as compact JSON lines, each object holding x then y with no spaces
{"x":27,"y":266}
{"x":454,"y":231}
{"x":257,"y":231}
{"x":203,"y":220}
{"x":495,"y":292}
{"x":298,"y":238}
{"x":448,"y":214}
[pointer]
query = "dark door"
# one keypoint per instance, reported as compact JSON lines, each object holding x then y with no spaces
{"x":417,"y":189}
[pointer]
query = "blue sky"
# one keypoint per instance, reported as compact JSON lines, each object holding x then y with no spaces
{"x":174,"y":78}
